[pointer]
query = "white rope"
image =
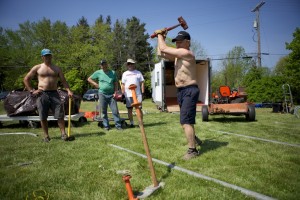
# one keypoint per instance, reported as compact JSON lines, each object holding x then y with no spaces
{"x":20,"y":133}
{"x":198,"y":175}
{"x":261,"y":139}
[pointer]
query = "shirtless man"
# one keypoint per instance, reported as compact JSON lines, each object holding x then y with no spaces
{"x":185,"y":81}
{"x":48,"y":97}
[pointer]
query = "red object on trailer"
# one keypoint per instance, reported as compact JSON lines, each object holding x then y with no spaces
{"x":229,"y":102}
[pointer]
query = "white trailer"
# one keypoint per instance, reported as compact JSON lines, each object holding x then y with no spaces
{"x":164,"y":89}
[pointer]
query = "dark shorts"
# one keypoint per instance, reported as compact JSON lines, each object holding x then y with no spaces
{"x":50,"y":100}
{"x":187,"y":98}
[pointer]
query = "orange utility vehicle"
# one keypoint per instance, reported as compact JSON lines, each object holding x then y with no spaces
{"x":229,"y":102}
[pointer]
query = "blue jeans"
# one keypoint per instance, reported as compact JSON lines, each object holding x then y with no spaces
{"x":106,"y":100}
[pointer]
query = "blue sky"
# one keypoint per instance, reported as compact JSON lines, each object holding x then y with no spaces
{"x":218,"y":25}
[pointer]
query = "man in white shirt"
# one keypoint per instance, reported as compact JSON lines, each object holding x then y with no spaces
{"x":129,"y":77}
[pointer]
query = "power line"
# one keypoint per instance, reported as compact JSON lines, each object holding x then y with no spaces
{"x":257,"y":27}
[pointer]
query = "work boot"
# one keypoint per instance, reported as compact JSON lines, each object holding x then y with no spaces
{"x":198,"y":141}
{"x":191,"y":153}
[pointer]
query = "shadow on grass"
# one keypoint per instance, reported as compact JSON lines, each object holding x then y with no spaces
{"x":82,"y":135}
{"x":226,"y":119}
{"x":168,"y":172}
{"x":210,"y":145}
{"x":154,"y":124}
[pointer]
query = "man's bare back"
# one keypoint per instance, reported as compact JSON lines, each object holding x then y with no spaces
{"x":185,"y":73}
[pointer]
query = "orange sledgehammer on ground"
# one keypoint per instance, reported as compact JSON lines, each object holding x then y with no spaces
{"x":149,"y":190}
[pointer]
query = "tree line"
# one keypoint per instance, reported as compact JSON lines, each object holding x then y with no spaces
{"x":78,"y":50}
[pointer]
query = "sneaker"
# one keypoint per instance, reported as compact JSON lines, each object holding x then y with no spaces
{"x":64,"y":137}
{"x":131,"y":126}
{"x":119,"y":128}
{"x":198,"y":141}
{"x":106,"y":128}
{"x":46,"y":139}
{"x":190,"y":154}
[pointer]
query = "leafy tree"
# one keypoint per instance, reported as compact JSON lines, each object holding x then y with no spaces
{"x":77,"y":49}
{"x":118,"y":47}
{"x":13,"y":80}
{"x":217,"y":79}
{"x":235,"y":67}
{"x":73,"y":80}
{"x":82,"y":22}
{"x":99,"y":20}
{"x":43,"y":33}
{"x":292,"y":72}
{"x":266,"y":89}
{"x":280,"y":67}
{"x":61,"y":40}
{"x":198,"y":50}
{"x":137,"y":46}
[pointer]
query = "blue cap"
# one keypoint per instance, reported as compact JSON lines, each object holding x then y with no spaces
{"x":46,"y":52}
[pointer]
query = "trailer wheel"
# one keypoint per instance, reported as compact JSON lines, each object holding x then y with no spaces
{"x":82,"y":120}
{"x":204,"y":113}
{"x":250,"y":116}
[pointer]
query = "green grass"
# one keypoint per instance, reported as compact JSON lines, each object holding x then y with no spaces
{"x":86,"y":168}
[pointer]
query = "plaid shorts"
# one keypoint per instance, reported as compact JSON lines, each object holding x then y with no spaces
{"x":50,"y":100}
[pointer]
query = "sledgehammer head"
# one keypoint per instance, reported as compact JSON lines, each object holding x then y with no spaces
{"x":182,"y":23}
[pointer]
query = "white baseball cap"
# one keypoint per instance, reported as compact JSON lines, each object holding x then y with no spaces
{"x":129,"y":60}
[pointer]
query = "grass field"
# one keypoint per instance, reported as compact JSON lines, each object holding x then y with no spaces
{"x":237,"y":157}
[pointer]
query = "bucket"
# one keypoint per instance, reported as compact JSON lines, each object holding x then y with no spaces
{"x":277,"y":107}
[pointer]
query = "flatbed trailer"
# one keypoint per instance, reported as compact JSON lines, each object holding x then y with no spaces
{"x":33,"y":121}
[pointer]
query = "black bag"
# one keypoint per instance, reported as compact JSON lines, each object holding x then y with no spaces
{"x":23,"y":103}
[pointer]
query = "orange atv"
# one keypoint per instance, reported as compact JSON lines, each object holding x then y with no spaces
{"x":229,"y":102}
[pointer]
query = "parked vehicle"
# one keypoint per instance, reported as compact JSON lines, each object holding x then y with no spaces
{"x":90,"y":95}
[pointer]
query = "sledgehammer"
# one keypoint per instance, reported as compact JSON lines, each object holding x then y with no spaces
{"x":136,"y":104}
{"x":69,"y":138}
{"x":182,"y":23}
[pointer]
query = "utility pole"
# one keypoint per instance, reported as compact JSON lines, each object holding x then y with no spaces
{"x":257,"y":27}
